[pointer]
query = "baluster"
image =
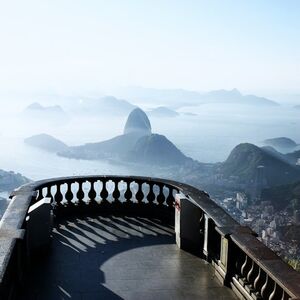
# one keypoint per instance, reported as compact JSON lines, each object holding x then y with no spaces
{"x":40,"y":194}
{"x":161,"y":196}
{"x":116,"y":192}
{"x":170,"y":198}
{"x":238,"y":262}
{"x":151,"y":195}
{"x":92,"y":192}
{"x":284,"y":295}
{"x":264,"y":289}
{"x":58,"y":197}
{"x":80,"y":193}
{"x":244,"y":268}
{"x":104,"y":192}
{"x":49,"y":194}
{"x":259,"y":281}
{"x":251,"y":275}
{"x":276,"y":292}
{"x":139,"y":195}
{"x":128,"y":193}
{"x":69,"y":194}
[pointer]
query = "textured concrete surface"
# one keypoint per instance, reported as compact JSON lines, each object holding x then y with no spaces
{"x":120,"y":258}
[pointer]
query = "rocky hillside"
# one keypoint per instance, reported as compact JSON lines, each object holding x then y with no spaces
{"x":46,"y":142}
{"x":10,"y":180}
{"x":37,"y":110}
{"x":158,"y":150}
{"x":103,"y":106}
{"x":138,"y":123}
{"x":293,"y":157}
{"x":136,"y":145}
{"x":283,"y":196}
{"x":245,"y":159}
{"x":281,"y":143}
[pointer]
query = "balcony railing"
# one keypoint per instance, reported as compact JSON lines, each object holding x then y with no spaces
{"x":240,"y":260}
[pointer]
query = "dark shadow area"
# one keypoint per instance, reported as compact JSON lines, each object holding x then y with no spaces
{"x":114,"y":257}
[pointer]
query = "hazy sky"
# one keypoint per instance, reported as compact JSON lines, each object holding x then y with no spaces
{"x":77,"y":45}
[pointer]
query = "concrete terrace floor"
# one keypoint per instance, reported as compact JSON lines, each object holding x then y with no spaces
{"x":120,"y":258}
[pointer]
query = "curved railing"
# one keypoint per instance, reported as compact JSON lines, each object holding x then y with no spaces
{"x":239,"y":258}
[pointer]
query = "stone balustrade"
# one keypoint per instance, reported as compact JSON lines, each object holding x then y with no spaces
{"x":240,"y":260}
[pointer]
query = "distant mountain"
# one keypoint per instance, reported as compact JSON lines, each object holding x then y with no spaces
{"x":158,"y":150}
{"x":107,"y":105}
{"x":234,"y":96}
{"x":190,"y":114}
{"x":137,"y":122}
{"x":38,"y":110}
{"x":46,"y":142}
{"x":137,"y":126}
{"x":10,"y":180}
{"x":281,"y":143}
{"x":283,"y":196}
{"x":170,"y":97}
{"x":136,"y":145}
{"x":115,"y":148}
{"x":293,"y":157}
{"x":180,"y":97}
{"x":224,"y":95}
{"x":163,"y":112}
{"x":256,"y":100}
{"x":245,"y":159}
{"x":274,"y":152}
{"x":3,"y":205}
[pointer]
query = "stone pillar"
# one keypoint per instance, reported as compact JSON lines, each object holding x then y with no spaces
{"x":38,"y":226}
{"x":221,"y":266}
{"x":187,"y":225}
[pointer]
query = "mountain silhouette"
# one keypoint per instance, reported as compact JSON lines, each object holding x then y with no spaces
{"x":157,"y":149}
{"x":245,"y":159}
{"x":46,"y":142}
{"x":137,"y":122}
{"x":136,"y":145}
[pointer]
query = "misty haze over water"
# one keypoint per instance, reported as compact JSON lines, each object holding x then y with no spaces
{"x":207,"y":136}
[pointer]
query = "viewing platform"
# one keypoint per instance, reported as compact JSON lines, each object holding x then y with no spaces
{"x":112,"y":237}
